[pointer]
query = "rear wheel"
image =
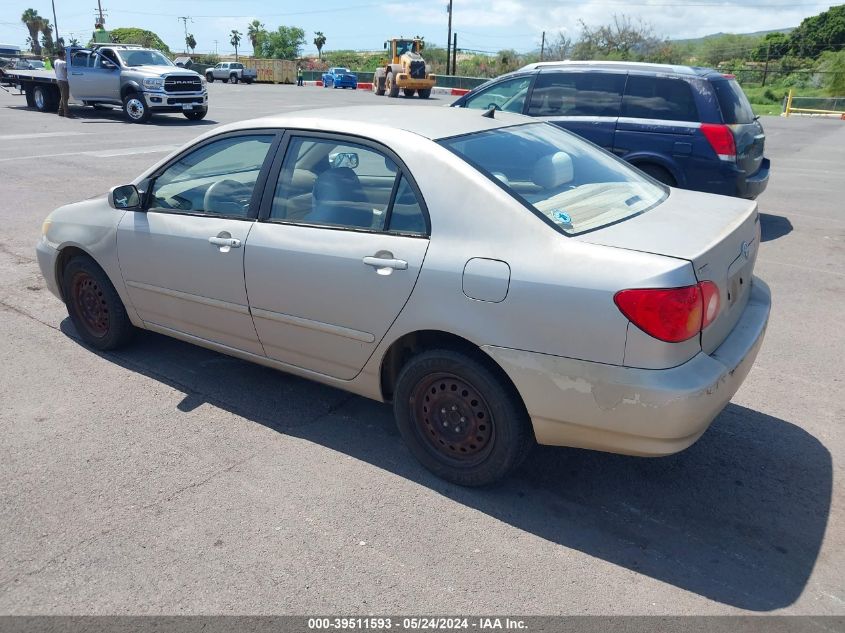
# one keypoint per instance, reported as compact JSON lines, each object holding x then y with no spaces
{"x":233,"y":78}
{"x":44,"y":99}
{"x":392,"y":88}
{"x":424,"y":93}
{"x":461,"y":420}
{"x":94,"y":306}
{"x":659,"y":173}
{"x":135,"y":108}
{"x":378,"y":85}
{"x":30,"y":98}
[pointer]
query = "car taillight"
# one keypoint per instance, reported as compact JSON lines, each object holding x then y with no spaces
{"x":721,"y":139}
{"x":671,"y":314}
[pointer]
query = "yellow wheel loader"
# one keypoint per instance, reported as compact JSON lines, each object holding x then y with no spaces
{"x":406,"y":70}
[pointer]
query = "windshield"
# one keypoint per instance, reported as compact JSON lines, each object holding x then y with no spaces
{"x":404,"y":46}
{"x":340,"y":71}
{"x":573,"y":185}
{"x":133,"y":58}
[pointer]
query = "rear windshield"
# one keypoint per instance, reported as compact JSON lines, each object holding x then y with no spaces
{"x":573,"y":185}
{"x":732,"y":102}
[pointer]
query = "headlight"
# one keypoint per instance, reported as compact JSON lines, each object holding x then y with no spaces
{"x":204,"y":82}
{"x":154,"y":83}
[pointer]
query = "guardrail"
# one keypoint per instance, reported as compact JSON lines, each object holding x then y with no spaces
{"x":812,"y":105}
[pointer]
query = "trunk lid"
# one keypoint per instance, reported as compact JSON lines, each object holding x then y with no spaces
{"x":718,"y":235}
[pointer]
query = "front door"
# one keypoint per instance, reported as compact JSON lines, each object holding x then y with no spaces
{"x":339,"y":248}
{"x":100,"y":80}
{"x":182,"y":258}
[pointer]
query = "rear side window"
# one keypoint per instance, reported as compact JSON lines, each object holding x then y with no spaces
{"x":732,"y":102}
{"x":577,"y":94}
{"x":659,"y":98}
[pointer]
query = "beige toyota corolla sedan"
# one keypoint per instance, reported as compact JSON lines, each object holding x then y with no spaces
{"x":497,"y":279}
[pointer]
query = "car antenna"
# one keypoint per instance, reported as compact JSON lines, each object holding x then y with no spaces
{"x":490,"y":114}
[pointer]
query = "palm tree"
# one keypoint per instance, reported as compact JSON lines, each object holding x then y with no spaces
{"x":235,"y":41}
{"x":33,"y":23}
{"x":47,"y":36}
{"x":191,"y":42}
{"x":319,"y":42}
{"x":255,"y":32}
{"x":74,"y":41}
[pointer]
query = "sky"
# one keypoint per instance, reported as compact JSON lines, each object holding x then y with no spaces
{"x":482,"y":25}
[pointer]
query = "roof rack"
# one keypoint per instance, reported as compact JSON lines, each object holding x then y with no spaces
{"x":94,"y":47}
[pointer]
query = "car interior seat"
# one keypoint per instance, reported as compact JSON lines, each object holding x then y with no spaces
{"x":339,"y":199}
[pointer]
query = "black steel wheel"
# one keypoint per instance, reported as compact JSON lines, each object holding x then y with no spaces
{"x":94,"y":306}
{"x":461,"y":419}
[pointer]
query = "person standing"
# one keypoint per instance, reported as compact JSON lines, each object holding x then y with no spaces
{"x":60,"y":66}
{"x":299,"y":76}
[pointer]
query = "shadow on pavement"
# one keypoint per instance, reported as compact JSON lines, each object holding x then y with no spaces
{"x":737,"y":518}
{"x":115,"y":115}
{"x":774,"y":226}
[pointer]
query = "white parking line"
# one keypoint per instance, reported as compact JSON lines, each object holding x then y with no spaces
{"x":12,"y":137}
{"x":102,"y":153}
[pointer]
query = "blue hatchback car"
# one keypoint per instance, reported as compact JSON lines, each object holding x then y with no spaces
{"x":340,"y":78}
{"x":685,"y":126}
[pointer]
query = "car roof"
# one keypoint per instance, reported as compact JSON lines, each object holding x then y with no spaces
{"x":431,"y":122}
{"x":643,"y":67}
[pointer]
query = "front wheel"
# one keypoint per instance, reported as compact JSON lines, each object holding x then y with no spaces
{"x":392,"y":87}
{"x":460,"y":419}
{"x":135,"y":108}
{"x":424,"y":93}
{"x":195,"y":115}
{"x":409,"y":92}
{"x":209,"y":78}
{"x":378,"y":85}
{"x":94,"y":306}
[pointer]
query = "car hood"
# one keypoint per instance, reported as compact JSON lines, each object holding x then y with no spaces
{"x":161,"y":71}
{"x":718,"y":235}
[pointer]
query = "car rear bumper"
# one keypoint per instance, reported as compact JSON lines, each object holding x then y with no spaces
{"x":635,"y":411}
{"x":753,"y":186}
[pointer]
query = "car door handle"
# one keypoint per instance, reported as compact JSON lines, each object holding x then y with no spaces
{"x":77,"y":74}
{"x":231,"y":242}
{"x":379,"y":262}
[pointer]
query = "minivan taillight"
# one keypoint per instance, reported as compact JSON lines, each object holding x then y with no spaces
{"x":671,"y":314}
{"x":721,"y":139}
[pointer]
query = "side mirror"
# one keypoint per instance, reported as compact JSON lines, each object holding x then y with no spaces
{"x":108,"y":65}
{"x":385,"y":46}
{"x":344,"y":159}
{"x":125,"y":198}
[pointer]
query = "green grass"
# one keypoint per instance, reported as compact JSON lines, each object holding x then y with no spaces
{"x":766,"y":109}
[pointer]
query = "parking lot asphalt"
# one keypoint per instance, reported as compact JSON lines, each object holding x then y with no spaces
{"x":169,"y":479}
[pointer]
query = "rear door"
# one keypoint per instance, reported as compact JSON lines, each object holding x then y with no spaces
{"x":738,"y":115}
{"x":586,"y":103}
{"x":659,"y":119}
{"x":329,"y":268}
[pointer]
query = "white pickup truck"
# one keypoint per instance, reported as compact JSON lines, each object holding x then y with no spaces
{"x":233,"y":72}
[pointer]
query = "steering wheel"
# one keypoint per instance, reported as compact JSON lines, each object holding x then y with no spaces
{"x":227,"y":196}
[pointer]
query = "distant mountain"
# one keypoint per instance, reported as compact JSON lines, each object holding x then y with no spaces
{"x":697,"y":40}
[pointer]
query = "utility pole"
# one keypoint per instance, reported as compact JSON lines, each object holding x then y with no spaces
{"x":185,"y":23}
{"x":55,"y":22}
{"x":215,"y":47}
{"x":449,"y":39}
{"x":455,"y":55}
{"x":543,"y":46}
{"x":766,"y":68}
{"x":100,"y":11}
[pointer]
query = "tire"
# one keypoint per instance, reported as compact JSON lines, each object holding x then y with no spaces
{"x":210,"y":78}
{"x":195,"y":115}
{"x":30,"y":98}
{"x":492,"y":433}
{"x":409,"y":92}
{"x":43,"y":99}
{"x":378,"y":85}
{"x":661,"y":174}
{"x":424,"y":93}
{"x":134,"y":108}
{"x":94,"y":306}
{"x":248,"y":81}
{"x":233,"y":78}
{"x":392,"y":88}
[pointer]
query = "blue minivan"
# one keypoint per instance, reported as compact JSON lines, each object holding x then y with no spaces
{"x":685,"y":126}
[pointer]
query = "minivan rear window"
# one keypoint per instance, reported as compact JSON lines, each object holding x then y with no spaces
{"x":565,"y":180}
{"x":733,"y":102}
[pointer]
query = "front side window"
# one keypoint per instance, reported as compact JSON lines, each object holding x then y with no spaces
{"x":341,"y":184}
{"x":508,"y":95}
{"x":81,"y":59}
{"x":575,"y":186}
{"x":134,"y":58}
{"x":218,"y":178}
{"x":577,"y":94}
{"x":658,"y":98}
